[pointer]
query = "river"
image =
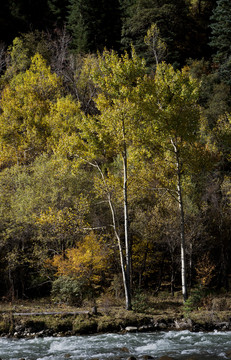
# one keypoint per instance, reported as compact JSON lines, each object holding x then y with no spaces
{"x":177,"y":344}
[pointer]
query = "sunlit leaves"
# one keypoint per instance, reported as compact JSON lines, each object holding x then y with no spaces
{"x":155,"y":43}
{"x":25,"y":104}
{"x":176,"y":94}
{"x":117,"y":75}
{"x":64,"y":120}
{"x":89,"y":260}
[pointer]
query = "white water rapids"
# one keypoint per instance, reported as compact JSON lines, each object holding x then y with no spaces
{"x":177,"y":344}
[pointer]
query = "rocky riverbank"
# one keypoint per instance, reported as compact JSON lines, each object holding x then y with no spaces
{"x":42,"y":317}
{"x":20,"y":325}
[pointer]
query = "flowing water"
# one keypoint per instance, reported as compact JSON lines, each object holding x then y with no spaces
{"x":177,"y":344}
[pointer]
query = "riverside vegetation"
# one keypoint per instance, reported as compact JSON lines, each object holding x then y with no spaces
{"x":115,"y":162}
{"x":44,"y":318}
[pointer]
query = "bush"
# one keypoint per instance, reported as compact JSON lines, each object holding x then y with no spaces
{"x":195,"y":299}
{"x":140,"y":302}
{"x":68,"y":290}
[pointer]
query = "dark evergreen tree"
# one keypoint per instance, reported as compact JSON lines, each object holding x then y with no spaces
{"x":200,"y":13}
{"x":221,"y":38}
{"x":171,"y":18}
{"x":221,"y":29}
{"x":10,"y":22}
{"x":59,"y":11}
{"x":30,"y":14}
{"x":94,"y":24}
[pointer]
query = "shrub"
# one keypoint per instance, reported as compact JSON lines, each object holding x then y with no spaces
{"x":140,"y":302}
{"x":195,"y":299}
{"x":68,"y":290}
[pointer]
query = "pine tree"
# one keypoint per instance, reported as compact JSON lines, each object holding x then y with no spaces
{"x":221,"y":37}
{"x":171,"y":17}
{"x":94,"y":25}
{"x":221,"y":29}
{"x":58,"y":9}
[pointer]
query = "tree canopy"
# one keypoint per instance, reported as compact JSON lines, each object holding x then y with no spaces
{"x":114,"y":148}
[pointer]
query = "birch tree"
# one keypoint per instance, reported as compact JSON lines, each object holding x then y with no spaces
{"x":172,"y":130}
{"x":104,"y":141}
{"x":116,"y":78}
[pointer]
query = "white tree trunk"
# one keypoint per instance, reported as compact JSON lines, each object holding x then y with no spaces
{"x":126,"y":234}
{"x":125,"y":265}
{"x":182,"y":225}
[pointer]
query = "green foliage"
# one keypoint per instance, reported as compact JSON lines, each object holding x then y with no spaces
{"x":5,"y":325}
{"x":58,"y":9}
{"x":140,"y":302}
{"x":84,"y":325}
{"x":220,"y":21}
{"x":113,"y":141}
{"x":195,"y":299}
{"x":220,"y":38}
{"x":22,"y":50}
{"x":26,"y":193}
{"x":25,"y":103}
{"x":170,"y":17}
{"x":155,"y":43}
{"x":68,"y":290}
{"x":90,"y":22}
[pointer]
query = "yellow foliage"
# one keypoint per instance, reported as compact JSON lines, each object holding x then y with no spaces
{"x":25,"y":102}
{"x":205,"y":269}
{"x":65,"y":220}
{"x":90,"y":259}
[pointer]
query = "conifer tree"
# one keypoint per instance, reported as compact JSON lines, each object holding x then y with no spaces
{"x":171,"y":17}
{"x":94,"y":25}
{"x":221,"y":38}
{"x":58,"y":9}
{"x":221,"y":29}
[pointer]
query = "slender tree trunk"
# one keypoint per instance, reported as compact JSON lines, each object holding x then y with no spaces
{"x":182,"y":225}
{"x":172,"y":275}
{"x":126,"y":222}
{"x":11,"y":280}
{"x":190,"y":266}
{"x":126,"y":232}
{"x":122,"y":263}
{"x":125,"y":265}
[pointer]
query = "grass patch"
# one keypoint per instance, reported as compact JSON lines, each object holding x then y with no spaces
{"x":5,"y":324}
{"x":84,"y":324}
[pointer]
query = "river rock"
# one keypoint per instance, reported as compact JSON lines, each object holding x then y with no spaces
{"x":164,"y":324}
{"x":131,"y":328}
{"x":147,"y":357}
{"x":223,"y":325}
{"x":131,"y":358}
{"x":166,"y":357}
{"x":145,"y":328}
{"x":183,"y":324}
{"x":228,"y":353}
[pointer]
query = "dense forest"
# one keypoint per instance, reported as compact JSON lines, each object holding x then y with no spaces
{"x":115,"y":136}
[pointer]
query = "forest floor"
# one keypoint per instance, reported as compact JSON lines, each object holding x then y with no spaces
{"x":162,"y":312}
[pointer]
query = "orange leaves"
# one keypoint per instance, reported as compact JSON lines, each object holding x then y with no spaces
{"x":89,"y":260}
